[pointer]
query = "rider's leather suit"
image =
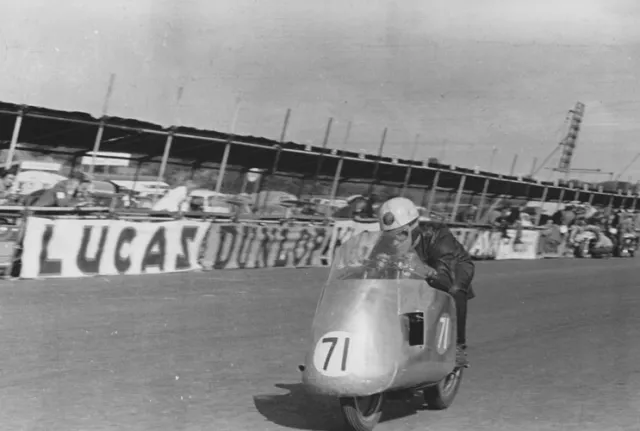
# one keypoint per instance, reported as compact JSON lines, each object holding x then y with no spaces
{"x":438,"y":248}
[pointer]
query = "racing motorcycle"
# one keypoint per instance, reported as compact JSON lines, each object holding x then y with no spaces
{"x":379,"y":331}
{"x":583,"y":243}
{"x":627,"y":245}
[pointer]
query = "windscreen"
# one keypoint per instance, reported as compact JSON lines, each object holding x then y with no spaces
{"x":371,"y":255}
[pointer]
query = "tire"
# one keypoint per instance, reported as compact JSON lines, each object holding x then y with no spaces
{"x":441,"y":395}
{"x":362,"y":413}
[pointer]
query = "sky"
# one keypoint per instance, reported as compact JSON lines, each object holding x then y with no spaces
{"x":479,"y":80}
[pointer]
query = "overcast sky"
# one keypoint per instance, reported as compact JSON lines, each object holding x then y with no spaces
{"x":465,"y":74}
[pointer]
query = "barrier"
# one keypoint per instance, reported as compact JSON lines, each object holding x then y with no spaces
{"x":519,"y":244}
{"x":342,"y":231}
{"x":232,"y":245}
{"x":68,"y":247}
{"x":77,"y":248}
{"x":481,"y":243}
{"x":9,"y":237}
{"x":552,"y":243}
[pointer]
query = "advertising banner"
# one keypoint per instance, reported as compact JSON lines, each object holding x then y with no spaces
{"x":77,"y":248}
{"x":232,"y":245}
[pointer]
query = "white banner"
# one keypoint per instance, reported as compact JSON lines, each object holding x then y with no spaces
{"x":521,"y":244}
{"x":77,"y":248}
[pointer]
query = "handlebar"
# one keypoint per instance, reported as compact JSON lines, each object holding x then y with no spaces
{"x":389,"y":264}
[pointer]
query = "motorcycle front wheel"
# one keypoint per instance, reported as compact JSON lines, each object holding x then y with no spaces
{"x":362,"y":413}
{"x":441,"y":395}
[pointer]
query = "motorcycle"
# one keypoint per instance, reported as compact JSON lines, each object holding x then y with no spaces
{"x":627,"y":245}
{"x":582,"y":243}
{"x":379,"y":331}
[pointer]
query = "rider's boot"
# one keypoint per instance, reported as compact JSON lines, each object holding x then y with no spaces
{"x":461,"y":356}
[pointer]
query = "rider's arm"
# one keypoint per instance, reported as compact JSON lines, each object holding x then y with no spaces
{"x":443,"y":252}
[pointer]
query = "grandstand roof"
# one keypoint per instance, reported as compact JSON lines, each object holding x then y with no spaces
{"x":55,"y":128}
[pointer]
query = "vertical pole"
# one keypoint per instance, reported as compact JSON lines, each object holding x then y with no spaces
{"x":325,"y":142}
{"x":135,"y":179}
{"x":591,"y":196}
{"x":432,"y":195}
{"x":336,"y":176}
{"x":576,"y":197}
{"x":634,"y":202}
{"x":14,"y":138}
{"x":513,"y":164}
{"x":483,"y":197}
{"x":560,"y":199}
{"x":105,"y":109}
{"x":456,"y":203}
{"x":165,"y":155}
{"x":407,"y":177}
{"x":610,"y":206}
{"x":276,"y":161}
{"x":377,"y":165}
{"x":544,"y":198}
{"x":227,"y":150}
{"x":96,"y":145}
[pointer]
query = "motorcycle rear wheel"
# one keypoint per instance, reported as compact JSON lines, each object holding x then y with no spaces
{"x":362,"y":413}
{"x":441,"y":395}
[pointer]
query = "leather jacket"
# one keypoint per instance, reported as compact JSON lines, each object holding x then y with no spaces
{"x":438,"y":248}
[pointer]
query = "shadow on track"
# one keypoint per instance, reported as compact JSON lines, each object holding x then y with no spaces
{"x":302,"y":410}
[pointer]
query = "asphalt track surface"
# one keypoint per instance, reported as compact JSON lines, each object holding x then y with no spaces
{"x":555,"y":345}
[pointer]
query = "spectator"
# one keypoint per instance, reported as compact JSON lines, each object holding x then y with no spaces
{"x":71,"y":192}
{"x":7,"y":197}
{"x":176,"y":199}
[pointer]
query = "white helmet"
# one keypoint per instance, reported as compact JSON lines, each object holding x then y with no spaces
{"x":396,"y":213}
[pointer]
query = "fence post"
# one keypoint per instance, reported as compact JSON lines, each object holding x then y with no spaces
{"x":17,"y":125}
{"x":456,"y":203}
{"x":483,"y":197}
{"x":432,"y":195}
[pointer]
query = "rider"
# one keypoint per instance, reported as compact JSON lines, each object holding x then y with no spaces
{"x":438,"y":248}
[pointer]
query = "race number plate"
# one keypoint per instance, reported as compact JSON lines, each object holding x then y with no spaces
{"x":443,"y":334}
{"x":332,"y":354}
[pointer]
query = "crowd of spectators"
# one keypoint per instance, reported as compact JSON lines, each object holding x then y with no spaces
{"x":77,"y":190}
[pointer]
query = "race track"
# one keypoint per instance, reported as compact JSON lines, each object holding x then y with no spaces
{"x":555,"y":345}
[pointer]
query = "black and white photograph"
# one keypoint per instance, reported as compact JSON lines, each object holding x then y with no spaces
{"x":337,"y":215}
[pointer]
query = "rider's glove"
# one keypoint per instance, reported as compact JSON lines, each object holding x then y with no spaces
{"x":430,"y":274}
{"x":382,"y":260}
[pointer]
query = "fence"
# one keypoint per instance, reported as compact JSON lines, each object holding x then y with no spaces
{"x":46,"y":243}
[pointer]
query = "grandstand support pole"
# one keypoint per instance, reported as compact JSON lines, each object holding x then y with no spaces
{"x":376,"y":167}
{"x":227,"y":150}
{"x":165,"y":155}
{"x":591,"y":197}
{"x":513,"y":165}
{"x":634,"y":202}
{"x":610,"y":206}
{"x":483,"y":197}
{"x":105,"y":109}
{"x":325,"y":142}
{"x":336,"y":176}
{"x":545,"y":191}
{"x":96,"y":145}
{"x":136,"y":177}
{"x":407,"y":177}
{"x":560,"y":199}
{"x":456,"y":203}
{"x":17,"y":125}
{"x":432,"y":195}
{"x":276,"y":160}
